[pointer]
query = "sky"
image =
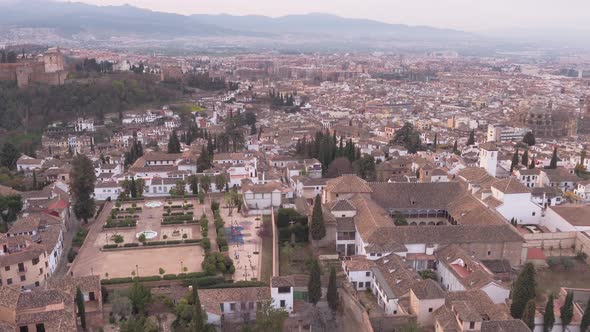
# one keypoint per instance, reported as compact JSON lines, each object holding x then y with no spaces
{"x":469,"y":15}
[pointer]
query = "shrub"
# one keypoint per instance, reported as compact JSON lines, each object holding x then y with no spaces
{"x":72,"y":255}
{"x":214,"y":206}
{"x":193,"y":240}
{"x":165,"y":236}
{"x":169,"y":277}
{"x":117,"y":238}
{"x":79,"y":238}
{"x":217,"y":262}
{"x":174,"y":242}
{"x":141,"y":238}
{"x":155,"y":243}
{"x":204,"y":233}
{"x":161,"y":271}
{"x":118,"y":204}
{"x":110,"y":246}
{"x":130,"y":245}
{"x":148,"y":278}
{"x":206,"y":243}
{"x":582,"y":256}
{"x":184,"y":236}
{"x":114,"y":281}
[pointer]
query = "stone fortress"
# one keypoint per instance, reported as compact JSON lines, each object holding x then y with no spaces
{"x":47,"y":68}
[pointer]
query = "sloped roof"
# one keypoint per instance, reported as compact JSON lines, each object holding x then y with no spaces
{"x":348,"y":184}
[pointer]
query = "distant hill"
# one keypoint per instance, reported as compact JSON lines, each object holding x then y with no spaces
{"x":72,"y":18}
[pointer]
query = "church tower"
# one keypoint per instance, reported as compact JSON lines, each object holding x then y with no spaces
{"x":488,"y":157}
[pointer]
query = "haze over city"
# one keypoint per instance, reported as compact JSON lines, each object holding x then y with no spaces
{"x":296,"y":166}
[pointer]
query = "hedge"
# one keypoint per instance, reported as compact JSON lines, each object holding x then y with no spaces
{"x":205,"y":281}
{"x":131,"y":245}
{"x":201,"y":278}
{"x":192,"y":241}
{"x":110,"y":246}
{"x":178,"y":222}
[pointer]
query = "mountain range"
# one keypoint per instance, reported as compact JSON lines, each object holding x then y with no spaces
{"x":103,"y":22}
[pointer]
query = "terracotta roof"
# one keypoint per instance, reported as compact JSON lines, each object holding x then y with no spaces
{"x":211,"y":298}
{"x":341,"y":205}
{"x":428,"y":289}
{"x":510,"y":325}
{"x":489,"y":146}
{"x":359,"y":263}
{"x":348,"y":184}
{"x":398,"y":278}
{"x":470,"y":272}
{"x":9,"y":296}
{"x":576,"y":215}
{"x":510,"y":186}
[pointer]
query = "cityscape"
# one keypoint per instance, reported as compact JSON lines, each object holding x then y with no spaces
{"x":295,"y":167}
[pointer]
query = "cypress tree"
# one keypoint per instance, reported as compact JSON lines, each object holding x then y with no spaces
{"x":525,"y":158}
{"x":566,"y":312}
{"x":528,"y":316}
{"x":471,"y":139}
{"x":173,"y":143}
{"x":553,"y":163}
{"x":314,"y":285}
{"x":81,"y":309}
{"x":133,"y":188}
{"x":455,"y":148}
{"x":333,"y":298}
{"x":523,"y":290}
{"x":585,"y":323}
{"x":549,"y":315}
{"x":435,"y":143}
{"x":317,"y":228}
{"x":532,"y":165}
{"x":514,"y":160}
{"x":197,"y":323}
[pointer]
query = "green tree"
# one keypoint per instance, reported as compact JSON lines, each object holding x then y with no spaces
{"x":133,"y":188}
{"x":532,"y":165}
{"x":9,"y":155}
{"x":220,"y":181}
{"x":10,"y":207}
{"x":435,"y":142}
{"x":585,"y":323}
{"x":173,"y":143}
{"x":317,"y":228}
{"x":140,"y":297}
{"x":332,"y":295}
{"x":81,"y":309}
{"x":193,"y":181}
{"x":428,"y":274}
{"x":525,"y":158}
{"x":365,"y":167}
{"x":139,"y":323}
{"x":400,"y":220}
{"x":408,"y":137}
{"x":82,"y":179}
{"x":199,"y":316}
{"x":523,"y":290}
{"x":471,"y":139}
{"x":528,"y":316}
{"x":269,"y":318}
{"x":529,"y":138}
{"x":180,"y":188}
{"x":553,"y":163}
{"x":411,"y":327}
{"x":455,"y":148}
{"x":549,"y":315}
{"x":205,"y":183}
{"x":514,"y":162}
{"x":567,"y":310}
{"x":314,"y":285}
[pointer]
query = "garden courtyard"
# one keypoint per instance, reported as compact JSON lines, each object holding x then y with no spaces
{"x":114,"y":247}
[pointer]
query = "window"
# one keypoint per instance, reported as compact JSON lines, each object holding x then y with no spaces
{"x":23,"y":277}
{"x":40,"y":327}
{"x":489,"y":252}
{"x":21,"y":267}
{"x":36,"y":284}
{"x":251,"y":305}
{"x":7,"y":268}
{"x":232,"y":306}
{"x":221,"y":306}
{"x":35,"y":261}
{"x":471,"y":325}
{"x":283,"y":304}
{"x":243,"y":306}
{"x":283,"y":290}
{"x":395,"y":312}
{"x":429,"y":309}
{"x":23,"y":329}
{"x":534,"y":213}
{"x":367,"y":274}
{"x":9,"y":281}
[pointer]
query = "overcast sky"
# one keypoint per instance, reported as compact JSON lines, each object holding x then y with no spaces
{"x":472,"y":15}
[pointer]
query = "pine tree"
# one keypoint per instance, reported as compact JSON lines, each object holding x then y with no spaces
{"x":523,"y":290}
{"x":314,"y":285}
{"x":585,"y":323}
{"x":317,"y":228}
{"x":81,"y":309}
{"x":549,"y":315}
{"x":525,"y":158}
{"x":173,"y":143}
{"x":532,"y":165}
{"x":333,"y":298}
{"x":553,"y":163}
{"x":514,"y":162}
{"x":528,"y":316}
{"x":471,"y":139}
{"x":566,"y":312}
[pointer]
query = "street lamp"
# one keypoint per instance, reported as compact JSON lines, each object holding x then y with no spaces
{"x":181,"y":268}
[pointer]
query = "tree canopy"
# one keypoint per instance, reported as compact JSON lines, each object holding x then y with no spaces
{"x":408,"y":137}
{"x":523,"y":290}
{"x":82,"y":179}
{"x":317,"y":228}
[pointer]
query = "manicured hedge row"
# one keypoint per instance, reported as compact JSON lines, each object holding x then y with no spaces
{"x":151,"y":244}
{"x":201,"y":278}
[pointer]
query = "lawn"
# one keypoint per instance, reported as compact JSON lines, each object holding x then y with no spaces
{"x":550,"y":280}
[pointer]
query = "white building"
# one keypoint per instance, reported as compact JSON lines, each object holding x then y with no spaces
{"x":488,"y":158}
{"x":568,"y":218}
{"x":502,"y":133}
